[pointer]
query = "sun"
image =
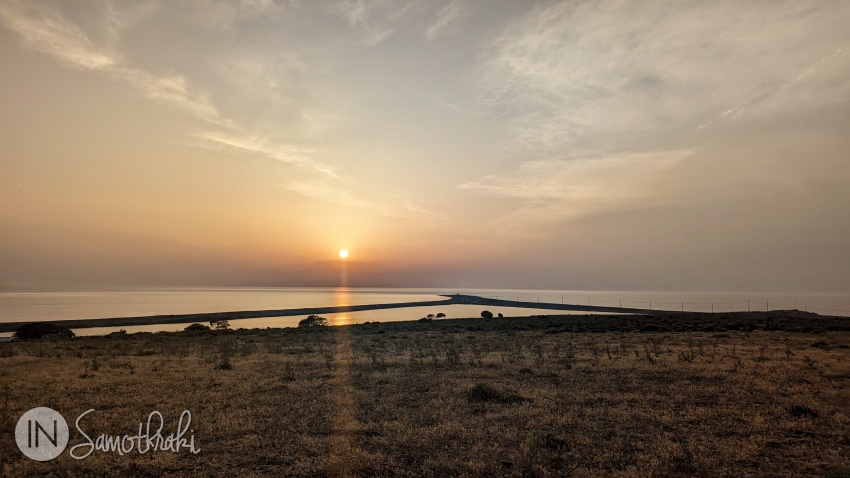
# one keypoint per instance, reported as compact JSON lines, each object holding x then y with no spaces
{"x":343,"y":253}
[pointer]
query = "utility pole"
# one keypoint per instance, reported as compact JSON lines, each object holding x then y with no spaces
{"x":712,"y":307}
{"x":621,"y":303}
{"x":748,"y":305}
{"x":683,"y":306}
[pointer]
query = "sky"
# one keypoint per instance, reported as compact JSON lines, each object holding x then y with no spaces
{"x":621,"y":145}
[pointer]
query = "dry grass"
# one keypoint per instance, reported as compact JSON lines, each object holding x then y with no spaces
{"x":440,"y":400}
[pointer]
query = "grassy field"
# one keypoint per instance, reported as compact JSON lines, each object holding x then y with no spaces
{"x":734,"y":395}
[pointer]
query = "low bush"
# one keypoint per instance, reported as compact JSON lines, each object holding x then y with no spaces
{"x":487,"y":393}
{"x":38,"y":330}
{"x":313,"y":321}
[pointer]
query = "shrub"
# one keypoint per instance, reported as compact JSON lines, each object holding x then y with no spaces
{"x":37,"y":330}
{"x":223,"y":324}
{"x":486,"y":314}
{"x":487,"y":393}
{"x":800,"y":411}
{"x":313,"y":321}
{"x":224,"y":362}
{"x":196,"y":327}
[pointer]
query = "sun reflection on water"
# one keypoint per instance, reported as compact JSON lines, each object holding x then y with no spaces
{"x":342,"y":298}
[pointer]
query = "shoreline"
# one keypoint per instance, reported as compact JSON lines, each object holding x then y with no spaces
{"x":457,"y":299}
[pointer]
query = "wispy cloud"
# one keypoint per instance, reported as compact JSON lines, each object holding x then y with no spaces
{"x":288,"y":87}
{"x":554,"y":190}
{"x":226,"y":14}
{"x":173,"y":90}
{"x":772,"y":98}
{"x":263,"y":146}
{"x":420,"y":212}
{"x":377,"y":20}
{"x":447,"y":16}
{"x":573,"y":73}
{"x":47,"y":31}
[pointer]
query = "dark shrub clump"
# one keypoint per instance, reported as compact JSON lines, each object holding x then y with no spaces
{"x":196,"y":327}
{"x":487,"y":393}
{"x":38,"y":330}
{"x":313,"y":321}
{"x":801,"y":411}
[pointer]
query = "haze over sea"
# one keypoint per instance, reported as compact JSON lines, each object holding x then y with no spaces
{"x":18,"y":306}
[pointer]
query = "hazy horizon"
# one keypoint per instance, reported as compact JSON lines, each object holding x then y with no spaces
{"x":608,"y":145}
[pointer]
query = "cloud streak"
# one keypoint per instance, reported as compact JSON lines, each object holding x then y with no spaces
{"x":376,"y":20}
{"x":574,"y":72}
{"x":47,"y":31}
{"x":447,"y":16}
{"x":262,"y":146}
{"x":555,"y":190}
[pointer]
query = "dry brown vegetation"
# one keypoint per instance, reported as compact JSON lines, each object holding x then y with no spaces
{"x":500,"y":397}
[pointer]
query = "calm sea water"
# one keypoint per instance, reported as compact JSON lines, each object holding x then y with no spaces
{"x":64,"y":305}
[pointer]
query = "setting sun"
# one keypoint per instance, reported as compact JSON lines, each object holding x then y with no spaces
{"x":343,"y":253}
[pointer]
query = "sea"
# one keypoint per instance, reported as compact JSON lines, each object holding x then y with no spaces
{"x":21,"y":306}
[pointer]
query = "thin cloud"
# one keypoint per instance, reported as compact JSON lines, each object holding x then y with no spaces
{"x":349,"y":193}
{"x":420,"y":211}
{"x":445,"y":19}
{"x":258,"y":145}
{"x":333,"y":193}
{"x":574,"y":73}
{"x":376,"y":20}
{"x":173,"y":90}
{"x":47,"y":31}
{"x":226,"y":14}
{"x":559,"y":189}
